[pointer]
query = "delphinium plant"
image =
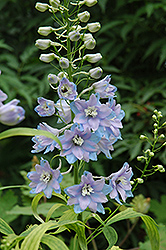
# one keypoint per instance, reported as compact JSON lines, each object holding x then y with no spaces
{"x":87,"y":123}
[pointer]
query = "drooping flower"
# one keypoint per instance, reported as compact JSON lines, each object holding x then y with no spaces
{"x":45,"y":107}
{"x":105,"y":145}
{"x":103,"y":87}
{"x":78,"y":144}
{"x":43,"y":142}
{"x":45,"y":179}
{"x":64,"y":111}
{"x":67,"y":89}
{"x":88,"y":193}
{"x":10,"y":113}
{"x":120,"y":183}
{"x":91,"y":114}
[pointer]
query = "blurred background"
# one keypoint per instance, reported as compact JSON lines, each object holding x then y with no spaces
{"x":132,"y":41}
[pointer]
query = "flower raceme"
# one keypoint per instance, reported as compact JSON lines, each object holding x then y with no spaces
{"x":88,"y":193}
{"x":10,"y":113}
{"x":45,"y":179}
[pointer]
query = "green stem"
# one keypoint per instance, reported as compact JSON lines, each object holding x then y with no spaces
{"x":76,"y":177}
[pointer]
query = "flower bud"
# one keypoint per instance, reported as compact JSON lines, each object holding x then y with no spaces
{"x":45,"y":31}
{"x":84,"y":16}
{"x":155,"y":111}
{"x":90,"y":3}
{"x":90,"y":44}
{"x":53,"y":79}
{"x":43,"y":43}
{"x":54,"y":3}
{"x":74,"y":35}
{"x":96,"y":72}
{"x":62,"y":74}
{"x":92,"y":58}
{"x":155,"y":125}
{"x":162,"y":136}
{"x":164,"y":144}
{"x":151,"y":154}
{"x":142,"y":137}
{"x":132,"y":182}
{"x":48,"y":57}
{"x":155,"y":131}
{"x":140,"y":180}
{"x":42,"y":7}
{"x":140,"y":158}
{"x":63,"y":63}
{"x":162,"y":170}
{"x":154,"y":117}
{"x":87,"y":36}
{"x":93,"y":27}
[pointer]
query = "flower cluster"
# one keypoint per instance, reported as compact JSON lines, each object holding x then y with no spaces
{"x":89,"y":118}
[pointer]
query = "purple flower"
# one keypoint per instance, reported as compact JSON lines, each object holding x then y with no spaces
{"x":3,"y":97}
{"x":45,"y":179}
{"x":67,"y":90}
{"x":10,"y":113}
{"x":120,"y":183}
{"x":45,"y":107}
{"x":88,"y":193}
{"x":92,"y":114}
{"x":78,"y":144}
{"x":105,"y":145}
{"x":103,"y":87}
{"x":43,"y":142}
{"x":64,"y":111}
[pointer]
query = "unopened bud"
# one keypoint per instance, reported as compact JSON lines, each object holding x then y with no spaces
{"x":93,"y":27}
{"x":43,"y":43}
{"x":162,"y":136}
{"x":48,"y":57}
{"x":90,"y":44}
{"x":155,"y":125}
{"x":159,"y":114}
{"x":42,"y":7}
{"x":62,"y":74}
{"x":155,"y":131}
{"x":90,"y":3}
{"x":86,"y":37}
{"x":84,"y":16}
{"x":140,"y":180}
{"x":164,"y":144}
{"x":74,"y":35}
{"x":142,"y":137}
{"x":92,"y":58}
{"x":151,"y":154}
{"x":140,"y":158}
{"x":54,"y":3}
{"x":132,"y":182}
{"x":45,"y":31}
{"x":155,"y":111}
{"x":63,"y":63}
{"x":53,"y":79}
{"x":160,"y":168}
{"x":96,"y":72}
{"x":154,"y":117}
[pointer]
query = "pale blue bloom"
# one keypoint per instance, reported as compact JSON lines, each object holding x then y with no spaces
{"x":92,"y":114}
{"x":120,"y":183}
{"x":45,"y":107}
{"x":43,"y":142}
{"x":10,"y":113}
{"x":67,"y":90}
{"x":64,"y":111}
{"x":105,"y":145}
{"x":79,"y":145}
{"x":88,"y":193}
{"x":103,"y":87}
{"x":45,"y":179}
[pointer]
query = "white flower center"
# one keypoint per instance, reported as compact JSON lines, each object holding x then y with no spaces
{"x":121,"y":179}
{"x":45,"y":176}
{"x":91,"y":111}
{"x":87,"y":190}
{"x":78,"y":140}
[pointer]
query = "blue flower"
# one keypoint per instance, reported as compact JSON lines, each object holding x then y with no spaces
{"x":92,"y":114}
{"x":43,"y":142}
{"x":79,"y":144}
{"x":67,"y":90}
{"x":105,"y":145}
{"x":45,"y":179}
{"x":103,"y":87}
{"x":120,"y":183}
{"x":88,"y":193}
{"x":10,"y":113}
{"x":64,"y":111}
{"x":45,"y":107}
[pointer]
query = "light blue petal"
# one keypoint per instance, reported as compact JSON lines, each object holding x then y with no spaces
{"x":100,"y":208}
{"x":71,"y":158}
{"x":107,"y":189}
{"x":77,"y":209}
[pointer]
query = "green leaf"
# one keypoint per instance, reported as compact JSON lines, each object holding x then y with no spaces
{"x":102,"y":4}
{"x":53,"y":242}
{"x":80,"y":231}
{"x":28,"y":132}
{"x":111,"y":236}
{"x":158,"y":208}
{"x":5,"y":228}
{"x":32,"y":241}
{"x":52,"y":210}
{"x":35,"y":202}
{"x":152,"y":232}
